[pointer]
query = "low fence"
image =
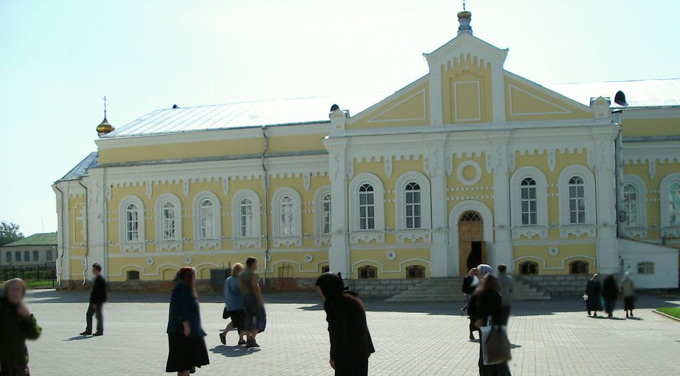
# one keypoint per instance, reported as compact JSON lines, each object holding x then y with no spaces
{"x":35,"y":276}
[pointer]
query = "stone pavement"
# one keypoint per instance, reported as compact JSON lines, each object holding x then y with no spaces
{"x":550,"y":338}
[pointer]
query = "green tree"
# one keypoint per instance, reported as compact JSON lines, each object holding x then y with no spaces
{"x":9,"y":232}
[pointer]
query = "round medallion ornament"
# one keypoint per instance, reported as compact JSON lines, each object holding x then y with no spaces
{"x":469,"y":165}
{"x":553,"y":251}
{"x":309,"y":258}
{"x":149,"y":261}
{"x":187,"y":260}
{"x":390,"y":255}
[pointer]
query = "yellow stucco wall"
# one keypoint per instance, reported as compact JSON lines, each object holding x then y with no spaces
{"x":409,"y":107}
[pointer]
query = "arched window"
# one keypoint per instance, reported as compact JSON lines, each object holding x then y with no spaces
{"x":528,"y":268}
{"x":646,"y":267}
{"x":578,"y":267}
{"x":326,"y":214}
{"x":168,"y":221}
{"x":630,"y":205}
{"x":415,"y":271}
{"x":413,"y":206}
{"x":207,"y":221}
{"x":577,"y":200}
{"x":206,"y":216}
{"x":528,"y":202}
{"x":287,"y":221}
{"x":366,"y":207}
{"x":131,"y":223}
{"x":287,"y":216}
{"x":246,"y":216}
{"x":674,"y":204}
{"x":245,"y":209}
{"x":322,"y":215}
{"x":368,"y":272}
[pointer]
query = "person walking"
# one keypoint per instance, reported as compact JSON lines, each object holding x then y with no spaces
{"x":505,"y":283}
{"x":187,"y":349}
{"x":351,"y":343}
{"x":97,"y":300}
{"x":610,"y":292}
{"x":253,"y":306}
{"x":469,"y":284}
{"x":593,"y":291}
{"x":17,"y":324}
{"x":628,"y":294}
{"x":233,"y":305}
{"x":490,"y":311}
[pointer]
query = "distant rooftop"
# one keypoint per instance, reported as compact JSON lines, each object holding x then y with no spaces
{"x":81,"y":168}
{"x":243,"y":115}
{"x":639,"y":93}
{"x":47,"y":238}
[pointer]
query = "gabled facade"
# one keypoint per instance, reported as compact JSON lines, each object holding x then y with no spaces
{"x":468,"y":164}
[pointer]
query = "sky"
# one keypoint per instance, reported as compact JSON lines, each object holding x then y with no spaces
{"x":59,"y":58}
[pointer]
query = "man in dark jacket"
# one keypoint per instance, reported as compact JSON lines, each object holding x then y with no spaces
{"x":97,"y":300}
{"x":351,"y":343}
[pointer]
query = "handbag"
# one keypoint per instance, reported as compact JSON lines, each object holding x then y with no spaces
{"x":225,"y":313}
{"x":495,"y":345}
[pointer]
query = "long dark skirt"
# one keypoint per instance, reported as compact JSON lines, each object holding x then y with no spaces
{"x":186,"y":353}
{"x":359,"y":368}
{"x":629,"y":303}
{"x":22,"y":371}
{"x":609,"y":305}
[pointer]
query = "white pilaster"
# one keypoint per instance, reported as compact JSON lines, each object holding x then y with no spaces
{"x":338,"y":255}
{"x":605,"y":191}
{"x":502,"y":246}
{"x":439,"y":250}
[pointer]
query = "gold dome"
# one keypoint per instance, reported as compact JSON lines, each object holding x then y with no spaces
{"x":104,"y":127}
{"x":464,"y":14}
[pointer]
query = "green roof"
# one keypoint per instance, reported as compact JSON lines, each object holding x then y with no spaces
{"x":48,"y":238}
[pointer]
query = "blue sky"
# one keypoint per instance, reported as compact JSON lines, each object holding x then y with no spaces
{"x":59,"y":58}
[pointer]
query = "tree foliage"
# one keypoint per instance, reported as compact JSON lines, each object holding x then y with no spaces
{"x":9,"y":232}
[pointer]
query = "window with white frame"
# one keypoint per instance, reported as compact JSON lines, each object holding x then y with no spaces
{"x":245,"y":208}
{"x":674,"y":204}
{"x":577,"y":201}
{"x":287,"y":222}
{"x":326,"y":214}
{"x":207,"y":221}
{"x":645,"y":267}
{"x":630,"y":205}
{"x":669,"y":194}
{"x":131,"y":224}
{"x":413,"y":207}
{"x":367,"y":209}
{"x":322,"y":215}
{"x":635,"y":207}
{"x":529,"y":203}
{"x":168,"y":222}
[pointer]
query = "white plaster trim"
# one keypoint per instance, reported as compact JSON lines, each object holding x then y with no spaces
{"x":512,"y":87}
{"x":390,"y":108}
{"x":539,"y":229}
{"x":215,"y":241}
{"x":319,"y":237}
{"x":356,"y":233}
{"x":381,"y":266}
{"x":487,"y":222}
{"x":176,"y":242}
{"x":667,"y":228}
{"x":140,"y":244}
{"x":589,"y":190}
{"x":475,"y":166}
{"x":564,"y":261}
{"x":455,"y":102}
{"x":290,"y":240}
{"x":255,"y":240}
{"x":423,"y":232}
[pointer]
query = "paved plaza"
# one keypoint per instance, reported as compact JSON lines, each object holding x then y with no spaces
{"x":549,"y":338}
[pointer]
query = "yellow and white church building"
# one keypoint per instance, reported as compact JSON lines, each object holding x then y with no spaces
{"x":469,"y":163}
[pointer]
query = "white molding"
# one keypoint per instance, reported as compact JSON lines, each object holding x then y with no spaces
{"x":475,"y":166}
{"x":140,"y":244}
{"x":566,"y":227}
{"x":290,"y":240}
{"x":395,"y":105}
{"x":256,"y":239}
{"x":319,"y":237}
{"x":381,"y":266}
{"x":176,"y":242}
{"x":484,"y":212}
{"x":424,"y":231}
{"x":539,"y":229}
{"x":592,"y":261}
{"x":512,"y":87}
{"x":455,"y":102}
{"x":640,"y":228}
{"x":356,"y":233}
{"x":215,"y":241}
{"x":668,"y":228}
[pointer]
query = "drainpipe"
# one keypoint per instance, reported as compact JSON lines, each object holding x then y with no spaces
{"x":618,"y":156}
{"x":266,"y":205}
{"x":87,"y":228}
{"x":61,"y":234}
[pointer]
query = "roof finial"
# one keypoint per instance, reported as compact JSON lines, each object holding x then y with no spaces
{"x":464,"y":18}
{"x":104,"y":127}
{"x":105,"y":107}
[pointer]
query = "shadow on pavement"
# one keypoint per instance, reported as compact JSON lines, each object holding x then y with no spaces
{"x":233,"y":351}
{"x":76,"y":338}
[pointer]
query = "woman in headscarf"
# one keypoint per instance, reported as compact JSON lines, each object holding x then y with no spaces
{"x":490,"y":308}
{"x":351,"y":343}
{"x":628,"y":293}
{"x":17,"y":324}
{"x":610,"y":292}
{"x":593,"y":290}
{"x":185,"y":333}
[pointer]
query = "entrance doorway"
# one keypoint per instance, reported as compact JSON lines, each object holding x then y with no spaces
{"x":471,"y":244}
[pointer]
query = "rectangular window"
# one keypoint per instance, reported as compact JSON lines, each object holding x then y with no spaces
{"x":326,"y":215}
{"x":132,"y":225}
{"x":27,"y":256}
{"x":413,"y":215}
{"x":630,"y":205}
{"x":206,"y":221}
{"x":246,"y":218}
{"x":36,"y":256}
{"x":287,"y":217}
{"x":168,"y":222}
{"x":17,"y":256}
{"x":577,"y":204}
{"x":366,"y":211}
{"x":8,"y":257}
{"x":48,"y":255}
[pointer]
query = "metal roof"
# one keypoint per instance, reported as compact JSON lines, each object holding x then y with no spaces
{"x":241,"y":115}
{"x":48,"y":238}
{"x":639,"y":93}
{"x":81,"y":168}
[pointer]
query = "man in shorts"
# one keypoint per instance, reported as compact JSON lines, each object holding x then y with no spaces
{"x":253,"y":306}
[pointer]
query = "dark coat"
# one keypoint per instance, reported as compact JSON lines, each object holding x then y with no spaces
{"x":184,"y":307}
{"x":610,"y":290}
{"x":14,"y":331}
{"x":489,"y":304}
{"x":350,"y":339}
{"x":98,"y":293}
{"x":593,"y":290}
{"x":467,"y":285}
